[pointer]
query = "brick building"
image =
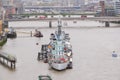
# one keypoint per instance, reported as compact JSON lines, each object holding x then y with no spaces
{"x":102,"y":4}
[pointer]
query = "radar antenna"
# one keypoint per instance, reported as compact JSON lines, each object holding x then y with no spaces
{"x":59,"y":26}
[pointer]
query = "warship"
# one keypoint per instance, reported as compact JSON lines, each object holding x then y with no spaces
{"x":58,"y":53}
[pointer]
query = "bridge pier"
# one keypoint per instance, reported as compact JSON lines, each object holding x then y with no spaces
{"x":107,"y":24}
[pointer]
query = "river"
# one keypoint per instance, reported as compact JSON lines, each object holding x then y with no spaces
{"x":92,"y":54}
{"x":69,"y":23}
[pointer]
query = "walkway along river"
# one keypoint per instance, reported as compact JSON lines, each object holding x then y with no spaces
{"x":92,"y":55}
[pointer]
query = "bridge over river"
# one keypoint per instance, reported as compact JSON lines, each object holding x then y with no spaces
{"x":109,"y":19}
{"x":66,"y":22}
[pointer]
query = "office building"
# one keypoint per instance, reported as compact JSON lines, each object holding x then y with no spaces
{"x":117,"y":7}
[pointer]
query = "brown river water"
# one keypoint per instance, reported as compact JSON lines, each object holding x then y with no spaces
{"x":92,"y":55}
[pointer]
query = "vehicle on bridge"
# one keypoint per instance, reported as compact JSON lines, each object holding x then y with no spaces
{"x":83,"y":16}
{"x":42,"y":17}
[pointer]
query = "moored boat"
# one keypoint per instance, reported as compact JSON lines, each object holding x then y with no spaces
{"x":58,"y":53}
{"x":11,"y":33}
{"x":38,"y":33}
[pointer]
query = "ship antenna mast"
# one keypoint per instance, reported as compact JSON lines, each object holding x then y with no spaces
{"x":59,"y":26}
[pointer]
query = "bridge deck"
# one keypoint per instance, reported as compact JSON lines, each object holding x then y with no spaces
{"x":69,"y":18}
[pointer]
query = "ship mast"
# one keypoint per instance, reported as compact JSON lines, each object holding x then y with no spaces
{"x":59,"y":26}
